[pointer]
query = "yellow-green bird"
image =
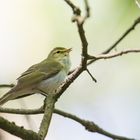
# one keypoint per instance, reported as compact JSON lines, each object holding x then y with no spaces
{"x":44,"y":77}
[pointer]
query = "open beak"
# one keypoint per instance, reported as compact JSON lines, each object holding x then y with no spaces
{"x":69,"y":50}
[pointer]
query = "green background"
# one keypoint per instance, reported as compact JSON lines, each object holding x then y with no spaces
{"x":29,"y":29}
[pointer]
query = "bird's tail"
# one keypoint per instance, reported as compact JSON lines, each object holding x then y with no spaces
{"x":14,"y":94}
{"x":10,"y":95}
{"x":5,"y":99}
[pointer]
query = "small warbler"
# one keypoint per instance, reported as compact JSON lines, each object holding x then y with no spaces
{"x":44,"y":77}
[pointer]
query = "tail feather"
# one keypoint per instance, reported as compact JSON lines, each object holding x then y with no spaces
{"x":11,"y":95}
{"x":5,"y":98}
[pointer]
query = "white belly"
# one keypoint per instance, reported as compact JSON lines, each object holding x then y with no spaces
{"x":51,"y":84}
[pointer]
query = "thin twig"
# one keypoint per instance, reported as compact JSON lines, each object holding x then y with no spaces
{"x":87,"y":10}
{"x":91,"y":75}
{"x":131,"y":28}
{"x":78,"y":17}
{"x":6,"y":85}
{"x":108,"y":56}
{"x":76,"y":10}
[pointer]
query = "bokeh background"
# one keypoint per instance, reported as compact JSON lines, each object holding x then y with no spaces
{"x":29,"y":29}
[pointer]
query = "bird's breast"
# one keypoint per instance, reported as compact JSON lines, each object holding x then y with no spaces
{"x":51,"y":84}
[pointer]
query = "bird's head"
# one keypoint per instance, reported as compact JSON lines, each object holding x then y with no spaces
{"x":59,"y":54}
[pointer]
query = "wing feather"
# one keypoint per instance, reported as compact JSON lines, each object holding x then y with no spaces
{"x":39,"y":72}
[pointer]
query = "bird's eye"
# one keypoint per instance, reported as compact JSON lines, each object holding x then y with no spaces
{"x":58,"y":52}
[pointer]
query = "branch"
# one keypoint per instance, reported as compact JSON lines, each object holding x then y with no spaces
{"x":131,"y":28}
{"x":6,"y":85}
{"x":69,"y":80}
{"x":48,"y":111}
{"x":18,"y":131}
{"x":108,"y":56}
{"x":29,"y":120}
{"x":76,"y":10}
{"x":89,"y":125}
{"x":87,"y":8}
{"x":49,"y":106}
{"x":51,"y":99}
{"x":76,"y":72}
{"x":80,"y":21}
{"x":91,"y":75}
{"x":22,"y":111}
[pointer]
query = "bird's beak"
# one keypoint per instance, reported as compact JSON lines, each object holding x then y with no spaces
{"x":69,"y":50}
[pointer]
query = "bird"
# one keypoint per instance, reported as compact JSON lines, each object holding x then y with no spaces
{"x":44,"y":77}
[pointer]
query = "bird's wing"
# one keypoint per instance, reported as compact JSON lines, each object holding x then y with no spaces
{"x":38,"y":73}
{"x":28,"y":71}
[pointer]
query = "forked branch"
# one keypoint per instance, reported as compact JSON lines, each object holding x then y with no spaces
{"x":48,"y":109}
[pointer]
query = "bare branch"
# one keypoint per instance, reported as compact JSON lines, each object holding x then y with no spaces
{"x":48,"y":111}
{"x":18,"y":131}
{"x":76,"y":10}
{"x":22,"y":111}
{"x":69,"y":80}
{"x":131,"y":28}
{"x":89,"y":125}
{"x":80,"y":21}
{"x":91,"y":75}
{"x":76,"y":72}
{"x":87,"y":10}
{"x":108,"y":56}
{"x":6,"y":85}
{"x":51,"y":99}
